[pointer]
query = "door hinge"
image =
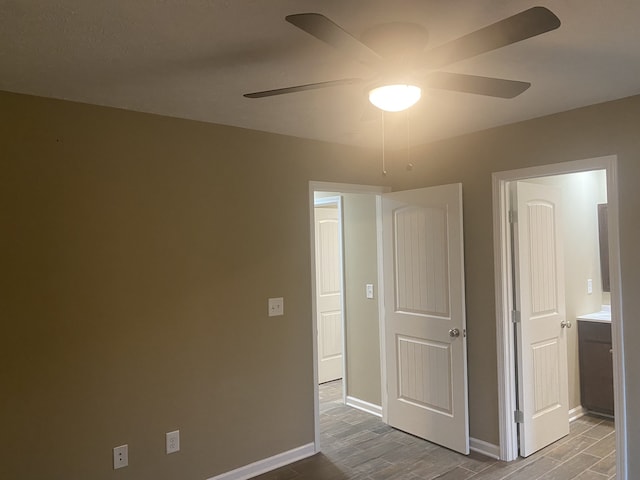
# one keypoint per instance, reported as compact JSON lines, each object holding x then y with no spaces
{"x":513,"y":216}
{"x":518,"y":416}
{"x":515,"y":316}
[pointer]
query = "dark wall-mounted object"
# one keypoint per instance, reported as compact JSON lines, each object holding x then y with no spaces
{"x":603,"y":235}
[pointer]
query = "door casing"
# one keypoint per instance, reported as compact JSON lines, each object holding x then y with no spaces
{"x":504,"y":299}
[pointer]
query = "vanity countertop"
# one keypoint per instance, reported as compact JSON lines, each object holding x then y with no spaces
{"x":603,"y":316}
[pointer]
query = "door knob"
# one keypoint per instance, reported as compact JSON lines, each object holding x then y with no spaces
{"x":565,"y":324}
{"x":454,"y":333}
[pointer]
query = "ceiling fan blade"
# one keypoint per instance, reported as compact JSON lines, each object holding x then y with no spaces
{"x":492,"y":87}
{"x":329,"y":32}
{"x":526,"y":24}
{"x":302,"y":88}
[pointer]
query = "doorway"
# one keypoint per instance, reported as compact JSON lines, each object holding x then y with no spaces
{"x":507,"y":353}
{"x":361,"y":382}
{"x":420,"y":340}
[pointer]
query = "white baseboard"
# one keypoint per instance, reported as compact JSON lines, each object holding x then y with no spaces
{"x":268,"y":464}
{"x":364,"y":406}
{"x":576,"y":413}
{"x":484,"y":448}
{"x":493,"y":451}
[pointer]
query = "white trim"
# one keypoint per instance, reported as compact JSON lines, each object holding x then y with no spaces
{"x":268,"y":464}
{"x":504,"y":328}
{"x":343,"y":282}
{"x":508,"y":430}
{"x":617,"y":324}
{"x":381,"y":313}
{"x":364,"y":406}
{"x":577,"y":412}
{"x":315,"y":186}
{"x":333,"y":200}
{"x":485,"y":448}
{"x":314,"y":321}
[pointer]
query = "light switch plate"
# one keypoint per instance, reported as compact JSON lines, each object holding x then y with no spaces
{"x":369,"y":290}
{"x":589,"y":286}
{"x":276,"y":307}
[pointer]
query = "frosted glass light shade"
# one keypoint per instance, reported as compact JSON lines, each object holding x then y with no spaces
{"x":395,"y":98}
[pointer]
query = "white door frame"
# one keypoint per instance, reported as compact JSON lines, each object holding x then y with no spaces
{"x":504,"y":300}
{"x":338,"y":188}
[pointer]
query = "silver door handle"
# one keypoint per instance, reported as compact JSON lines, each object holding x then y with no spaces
{"x":454,"y":333}
{"x":565,"y":324}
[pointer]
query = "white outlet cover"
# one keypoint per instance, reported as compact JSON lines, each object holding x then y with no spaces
{"x":173,"y":441}
{"x":120,"y":456}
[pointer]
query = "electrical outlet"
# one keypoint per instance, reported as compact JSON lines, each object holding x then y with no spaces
{"x":173,"y":441}
{"x":276,"y":307}
{"x":589,"y":286}
{"x":120,"y":456}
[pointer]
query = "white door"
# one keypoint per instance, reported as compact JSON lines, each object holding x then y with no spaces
{"x":541,"y":333}
{"x":424,"y":312}
{"x":328,"y":291}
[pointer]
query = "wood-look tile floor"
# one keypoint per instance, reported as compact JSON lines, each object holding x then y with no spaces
{"x":358,"y":446}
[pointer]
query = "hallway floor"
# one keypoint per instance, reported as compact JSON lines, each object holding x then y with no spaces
{"x":358,"y":446}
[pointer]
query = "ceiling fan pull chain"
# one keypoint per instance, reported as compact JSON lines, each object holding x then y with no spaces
{"x":384,"y":169}
{"x":409,"y":164}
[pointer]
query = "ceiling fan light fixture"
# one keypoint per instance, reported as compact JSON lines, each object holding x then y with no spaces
{"x":395,"y":98}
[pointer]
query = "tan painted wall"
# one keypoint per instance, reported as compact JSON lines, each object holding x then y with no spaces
{"x":137,"y":254}
{"x":362,"y":332}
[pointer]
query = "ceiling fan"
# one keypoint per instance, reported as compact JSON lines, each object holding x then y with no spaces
{"x":396,"y":53}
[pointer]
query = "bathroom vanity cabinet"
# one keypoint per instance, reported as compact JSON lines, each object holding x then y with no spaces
{"x":596,"y":365}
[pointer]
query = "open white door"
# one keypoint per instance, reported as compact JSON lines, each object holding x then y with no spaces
{"x":424,"y":312}
{"x":329,"y":291}
{"x":541,"y":340}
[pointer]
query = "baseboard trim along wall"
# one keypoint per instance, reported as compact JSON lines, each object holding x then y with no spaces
{"x":268,"y":464}
{"x":493,"y":451}
{"x":484,"y":448}
{"x":364,"y":406}
{"x":285,"y":458}
{"x":576,"y":413}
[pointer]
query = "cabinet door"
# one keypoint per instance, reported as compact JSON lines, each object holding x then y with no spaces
{"x":596,"y":367}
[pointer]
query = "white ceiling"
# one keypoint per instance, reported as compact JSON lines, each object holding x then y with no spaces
{"x":195,"y":58}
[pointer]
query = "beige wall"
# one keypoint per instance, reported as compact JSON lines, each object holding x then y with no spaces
{"x":138,"y":252}
{"x":137,"y":255}
{"x":361,"y":314}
